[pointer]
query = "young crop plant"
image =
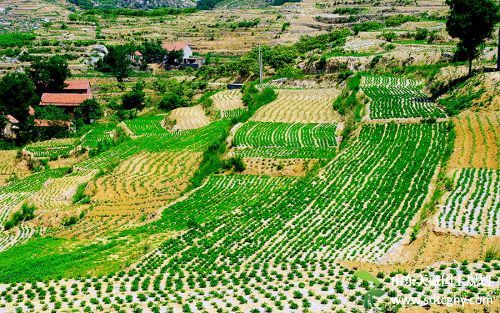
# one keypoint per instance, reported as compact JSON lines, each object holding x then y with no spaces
{"x":393,"y":97}
{"x":472,"y":207}
{"x":286,"y":139}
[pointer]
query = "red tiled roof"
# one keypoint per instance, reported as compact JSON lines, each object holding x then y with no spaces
{"x":64,"y":99}
{"x":77,"y":84}
{"x":138,"y":53}
{"x":31,"y":111}
{"x":174,"y":46}
{"x":12,"y":119}
{"x":47,"y":123}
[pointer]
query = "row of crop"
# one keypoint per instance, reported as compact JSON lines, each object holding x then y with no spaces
{"x":148,"y":126}
{"x":473,"y":205}
{"x":274,"y":242}
{"x":329,"y":287}
{"x":357,"y":208}
{"x":398,"y":98}
{"x":304,"y":106}
{"x":51,"y":148}
{"x":286,"y":135}
{"x":100,"y":133}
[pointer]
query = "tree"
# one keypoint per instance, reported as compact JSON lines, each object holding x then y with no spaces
{"x":17,"y":94}
{"x":172,"y":101}
{"x":49,"y":75}
{"x":472,"y":22}
{"x":135,"y":99}
{"x":117,"y":62}
{"x":173,"y":57}
{"x":89,"y":111}
{"x":153,"y":52}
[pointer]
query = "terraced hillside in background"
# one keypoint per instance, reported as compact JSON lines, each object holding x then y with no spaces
{"x":245,"y":240}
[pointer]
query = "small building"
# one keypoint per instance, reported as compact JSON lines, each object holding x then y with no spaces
{"x":66,"y":101}
{"x":137,"y":58}
{"x":194,"y":62}
{"x":9,"y":131}
{"x":187,"y":51}
{"x":77,"y":86}
{"x":75,"y":92}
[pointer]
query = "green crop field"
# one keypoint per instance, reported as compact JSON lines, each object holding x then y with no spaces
{"x":249,"y":156}
{"x":398,"y":98}
{"x":286,"y":140}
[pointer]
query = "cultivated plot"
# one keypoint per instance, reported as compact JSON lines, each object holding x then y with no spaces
{"x":300,"y":106}
{"x":393,"y":97}
{"x":285,"y":140}
{"x":473,"y":207}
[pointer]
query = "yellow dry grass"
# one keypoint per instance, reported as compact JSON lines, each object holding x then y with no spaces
{"x":189,"y":118}
{"x":10,"y":166}
{"x":227,"y":100}
{"x":476,"y":143}
{"x":300,"y":106}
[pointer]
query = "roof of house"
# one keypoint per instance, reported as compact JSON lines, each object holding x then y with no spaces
{"x":64,"y":99}
{"x":77,"y":84}
{"x":12,"y":119}
{"x":138,"y":53}
{"x":174,"y":46}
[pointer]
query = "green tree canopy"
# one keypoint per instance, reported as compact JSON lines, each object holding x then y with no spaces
{"x":135,"y":99}
{"x":117,"y":62}
{"x":172,"y":101}
{"x":472,"y":22}
{"x":89,"y":111}
{"x":17,"y":93}
{"x":152,"y":51}
{"x":49,"y":75}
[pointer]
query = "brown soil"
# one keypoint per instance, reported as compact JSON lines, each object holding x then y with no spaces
{"x":431,"y":247}
{"x":473,"y":147}
{"x":277,"y":167}
{"x":469,"y":308}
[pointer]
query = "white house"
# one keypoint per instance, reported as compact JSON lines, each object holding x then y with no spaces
{"x":187,"y":52}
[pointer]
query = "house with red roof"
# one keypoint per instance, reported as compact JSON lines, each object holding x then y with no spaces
{"x":74,"y":94}
{"x":66,"y":101}
{"x":81,"y":86}
{"x":186,"y":49}
{"x":188,"y":60}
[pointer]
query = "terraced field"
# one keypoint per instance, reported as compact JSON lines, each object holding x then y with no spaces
{"x":285,"y":140}
{"x":393,"y":97}
{"x":11,"y":198}
{"x":147,"y":126}
{"x":99,"y":134}
{"x":51,"y":148}
{"x":277,"y":232}
{"x":476,"y":144}
{"x":143,"y":183}
{"x":189,"y":118}
{"x":56,"y":197}
{"x":10,"y":166}
{"x":228,"y":103}
{"x":300,"y":106}
{"x":473,"y":208}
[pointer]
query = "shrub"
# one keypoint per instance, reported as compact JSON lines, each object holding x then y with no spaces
{"x":26,"y":213}
{"x":399,"y":19}
{"x":421,"y":34}
{"x":172,"y":101}
{"x":79,"y":196}
{"x":366,"y":27}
